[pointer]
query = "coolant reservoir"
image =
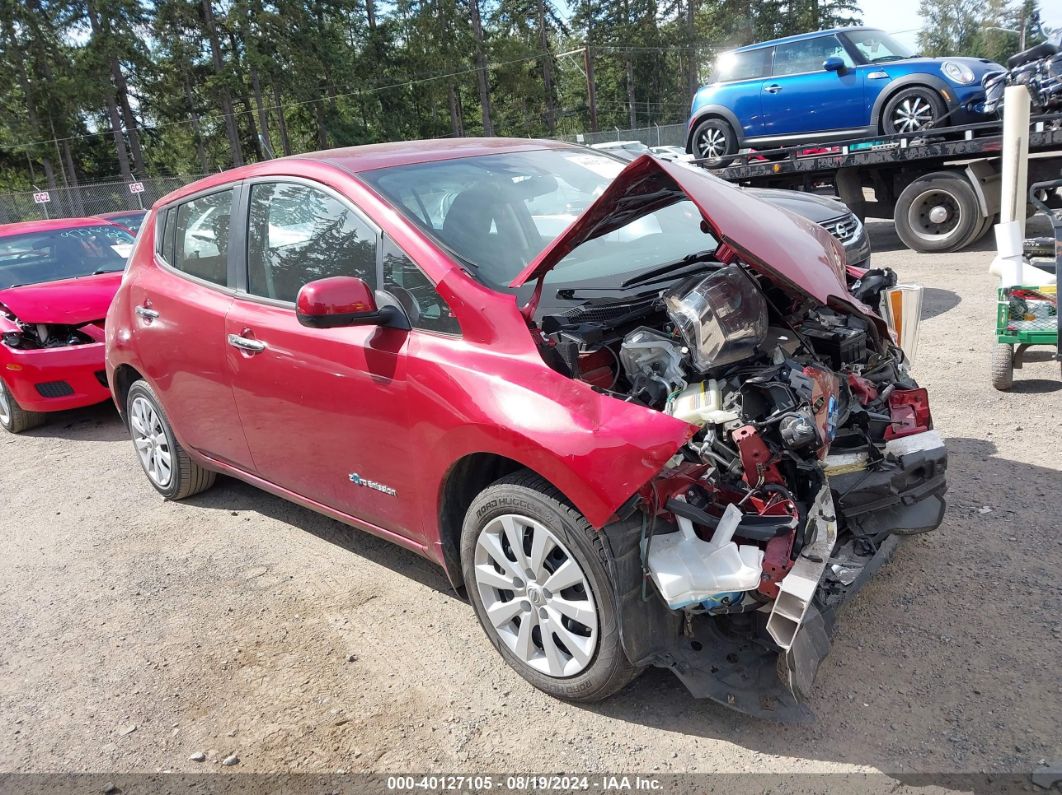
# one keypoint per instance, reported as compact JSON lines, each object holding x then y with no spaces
{"x":687,"y":570}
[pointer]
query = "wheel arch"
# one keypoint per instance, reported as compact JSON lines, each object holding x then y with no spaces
{"x":467,"y":478}
{"x":917,"y":80}
{"x":125,"y":375}
{"x":713,"y":112}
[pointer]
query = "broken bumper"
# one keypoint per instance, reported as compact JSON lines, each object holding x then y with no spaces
{"x":763,"y":663}
{"x":56,"y":379}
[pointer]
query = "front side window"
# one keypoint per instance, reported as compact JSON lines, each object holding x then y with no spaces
{"x":799,"y":57}
{"x":202,"y":237}
{"x":51,"y":255}
{"x":741,"y":65}
{"x":299,"y":234}
{"x":426,"y":308}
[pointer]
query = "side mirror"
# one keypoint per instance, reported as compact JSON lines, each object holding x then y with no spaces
{"x":343,"y":301}
{"x":834,"y":64}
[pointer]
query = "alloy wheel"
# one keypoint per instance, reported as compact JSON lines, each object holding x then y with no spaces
{"x":712,"y":143}
{"x":152,"y":446}
{"x":5,"y":405}
{"x":536,"y":596}
{"x":912,"y":115}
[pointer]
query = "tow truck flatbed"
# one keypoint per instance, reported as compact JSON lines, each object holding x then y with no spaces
{"x":941,"y":187}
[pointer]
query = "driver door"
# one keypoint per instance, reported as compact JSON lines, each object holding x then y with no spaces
{"x":324,"y":410}
{"x":802,"y":97}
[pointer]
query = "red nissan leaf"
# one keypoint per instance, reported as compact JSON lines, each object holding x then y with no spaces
{"x":57,"y":279}
{"x":637,"y":415}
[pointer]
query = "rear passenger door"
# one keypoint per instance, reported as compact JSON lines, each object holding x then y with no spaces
{"x":180,"y":306}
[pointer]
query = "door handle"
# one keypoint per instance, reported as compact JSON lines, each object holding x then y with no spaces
{"x":244,"y":344}
{"x":146,"y":313}
{"x":773,"y":88}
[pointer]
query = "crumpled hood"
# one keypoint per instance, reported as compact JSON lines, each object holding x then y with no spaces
{"x":68,"y":302}
{"x":792,"y":251}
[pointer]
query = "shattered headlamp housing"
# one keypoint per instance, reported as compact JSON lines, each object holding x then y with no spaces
{"x":722,"y":317}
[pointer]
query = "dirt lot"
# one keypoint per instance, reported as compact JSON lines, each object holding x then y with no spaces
{"x":137,"y":633}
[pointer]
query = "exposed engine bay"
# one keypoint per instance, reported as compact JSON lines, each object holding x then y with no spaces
{"x":813,"y":447}
{"x":34,"y":336}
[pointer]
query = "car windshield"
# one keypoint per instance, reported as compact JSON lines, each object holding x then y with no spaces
{"x":54,"y":254}
{"x":877,"y":46}
{"x":498,"y":212}
{"x":132,"y":221}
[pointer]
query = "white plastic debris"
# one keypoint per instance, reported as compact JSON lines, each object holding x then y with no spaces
{"x":688,"y":570}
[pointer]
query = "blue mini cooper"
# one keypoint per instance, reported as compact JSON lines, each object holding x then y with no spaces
{"x":828,"y":86}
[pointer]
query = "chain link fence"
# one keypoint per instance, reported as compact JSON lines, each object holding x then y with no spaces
{"x":654,"y":135}
{"x":92,"y":199}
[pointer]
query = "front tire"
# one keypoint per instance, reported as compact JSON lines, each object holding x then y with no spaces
{"x":167,"y":465}
{"x":912,"y":110}
{"x":536,"y":574}
{"x":715,"y":142}
{"x":14,"y":418}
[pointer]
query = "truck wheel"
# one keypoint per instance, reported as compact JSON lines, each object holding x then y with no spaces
{"x":938,"y":212}
{"x":715,"y":141}
{"x":14,"y":418}
{"x":986,"y":226}
{"x":536,"y":574}
{"x":1003,"y":366}
{"x":911,"y":110}
{"x":168,"y":466}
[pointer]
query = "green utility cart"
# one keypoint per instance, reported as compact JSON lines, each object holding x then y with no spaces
{"x":1028,"y":315}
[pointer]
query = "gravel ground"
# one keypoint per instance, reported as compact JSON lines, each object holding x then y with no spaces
{"x":139,"y":633}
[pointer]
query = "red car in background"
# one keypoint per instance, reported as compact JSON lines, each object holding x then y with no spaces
{"x":639,"y":416}
{"x":130,"y":219}
{"x":57,"y":279}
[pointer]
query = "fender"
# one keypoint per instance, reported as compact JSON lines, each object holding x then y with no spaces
{"x":597,"y":450}
{"x":909,"y":81}
{"x":713,"y":110}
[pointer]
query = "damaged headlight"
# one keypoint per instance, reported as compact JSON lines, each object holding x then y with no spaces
{"x":722,"y":317}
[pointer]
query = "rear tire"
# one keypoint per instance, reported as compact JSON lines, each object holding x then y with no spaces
{"x":525,"y":508}
{"x":168,"y":466}
{"x":714,"y":141}
{"x":938,"y":212}
{"x":14,"y":418}
{"x":1003,"y":366}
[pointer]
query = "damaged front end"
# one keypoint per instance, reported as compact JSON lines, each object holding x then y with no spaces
{"x":813,"y":449}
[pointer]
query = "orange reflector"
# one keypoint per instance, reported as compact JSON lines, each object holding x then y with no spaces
{"x":14,"y":367}
{"x":776,"y":168}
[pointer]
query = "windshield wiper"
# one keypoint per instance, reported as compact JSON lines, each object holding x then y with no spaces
{"x":670,"y":269}
{"x":887,"y":58}
{"x":98,"y":271}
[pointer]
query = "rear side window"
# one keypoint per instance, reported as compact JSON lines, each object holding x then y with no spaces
{"x":202,"y":237}
{"x":807,"y":56}
{"x":299,"y":234}
{"x":741,"y":65}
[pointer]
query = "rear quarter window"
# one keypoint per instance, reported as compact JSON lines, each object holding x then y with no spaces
{"x":733,"y":66}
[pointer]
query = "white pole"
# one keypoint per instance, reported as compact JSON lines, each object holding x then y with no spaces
{"x":1015,"y":179}
{"x":1011,"y":228}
